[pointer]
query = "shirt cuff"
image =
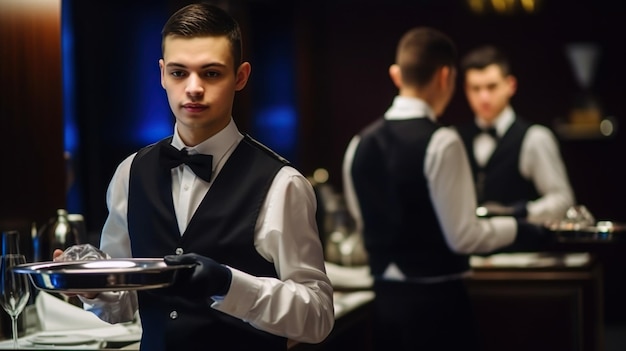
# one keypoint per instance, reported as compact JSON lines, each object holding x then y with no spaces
{"x":244,"y":291}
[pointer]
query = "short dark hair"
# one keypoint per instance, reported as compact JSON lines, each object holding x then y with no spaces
{"x":484,"y":56}
{"x":204,"y":19}
{"x":421,"y":51}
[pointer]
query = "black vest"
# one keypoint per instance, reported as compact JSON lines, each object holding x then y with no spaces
{"x":400,"y":224}
{"x":500,"y":179}
{"x":221,"y":228}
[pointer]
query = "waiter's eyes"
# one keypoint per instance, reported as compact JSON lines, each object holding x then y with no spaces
{"x":488,"y":87}
{"x":178,"y":74}
{"x":212,"y":74}
{"x":183,"y":74}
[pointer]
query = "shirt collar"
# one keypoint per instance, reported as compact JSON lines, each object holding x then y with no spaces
{"x":501,"y":123}
{"x":216,"y":145}
{"x":404,"y":107}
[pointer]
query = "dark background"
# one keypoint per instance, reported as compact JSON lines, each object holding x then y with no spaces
{"x":328,"y":61}
{"x":337,"y":54}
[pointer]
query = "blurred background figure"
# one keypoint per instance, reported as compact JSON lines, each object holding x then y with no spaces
{"x":517,"y":165}
{"x":408,"y":183}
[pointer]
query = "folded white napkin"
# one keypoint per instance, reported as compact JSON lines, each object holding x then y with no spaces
{"x":64,"y":326}
{"x":56,"y":314}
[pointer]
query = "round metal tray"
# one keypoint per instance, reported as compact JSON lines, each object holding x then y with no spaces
{"x":101,"y":275}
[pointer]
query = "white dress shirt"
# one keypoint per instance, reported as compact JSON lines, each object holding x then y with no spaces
{"x":540,"y":161}
{"x":298,"y":305}
{"x":450,"y":184}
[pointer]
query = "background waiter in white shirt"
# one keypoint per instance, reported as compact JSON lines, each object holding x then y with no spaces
{"x":409,"y":186}
{"x":517,"y":166}
{"x":247,"y":220}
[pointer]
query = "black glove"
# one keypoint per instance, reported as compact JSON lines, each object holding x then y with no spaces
{"x":530,"y":237}
{"x":207,"y":278}
{"x":519,"y":210}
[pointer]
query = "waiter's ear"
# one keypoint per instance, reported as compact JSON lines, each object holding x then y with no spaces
{"x":511,"y":83}
{"x":396,"y":75}
{"x":242,"y":75}
{"x":446,"y":76}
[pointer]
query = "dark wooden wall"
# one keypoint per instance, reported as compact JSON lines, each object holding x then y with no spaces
{"x":32,"y":170}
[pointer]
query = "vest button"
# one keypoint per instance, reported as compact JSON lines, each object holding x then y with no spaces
{"x":179,"y":251}
{"x":173,"y":315}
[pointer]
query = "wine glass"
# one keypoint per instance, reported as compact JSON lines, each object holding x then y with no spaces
{"x":15,"y":287}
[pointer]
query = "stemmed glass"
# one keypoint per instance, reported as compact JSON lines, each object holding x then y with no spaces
{"x":15,"y":290}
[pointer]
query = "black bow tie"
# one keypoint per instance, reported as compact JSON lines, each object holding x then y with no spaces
{"x":201,"y":165}
{"x":491,"y":131}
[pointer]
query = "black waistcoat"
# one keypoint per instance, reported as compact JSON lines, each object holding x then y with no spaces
{"x":500,"y":179}
{"x":221,"y":228}
{"x":400,"y":224}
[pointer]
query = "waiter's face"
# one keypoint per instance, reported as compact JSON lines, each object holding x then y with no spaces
{"x":199,"y":77}
{"x":488,"y":91}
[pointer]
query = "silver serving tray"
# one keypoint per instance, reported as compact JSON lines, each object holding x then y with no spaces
{"x":101,"y":275}
{"x":601,"y":231}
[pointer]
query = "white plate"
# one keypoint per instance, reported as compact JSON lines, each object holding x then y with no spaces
{"x":123,"y":338}
{"x":61,"y":339}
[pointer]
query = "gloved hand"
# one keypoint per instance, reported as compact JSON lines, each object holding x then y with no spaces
{"x":207,"y":278}
{"x":519,"y":210}
{"x":530,"y":237}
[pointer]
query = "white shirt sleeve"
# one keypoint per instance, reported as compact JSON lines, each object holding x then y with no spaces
{"x":452,"y":193}
{"x":298,"y":305}
{"x":115,"y":239}
{"x":352,"y":203}
{"x":115,"y":307}
{"x":541,"y":161}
